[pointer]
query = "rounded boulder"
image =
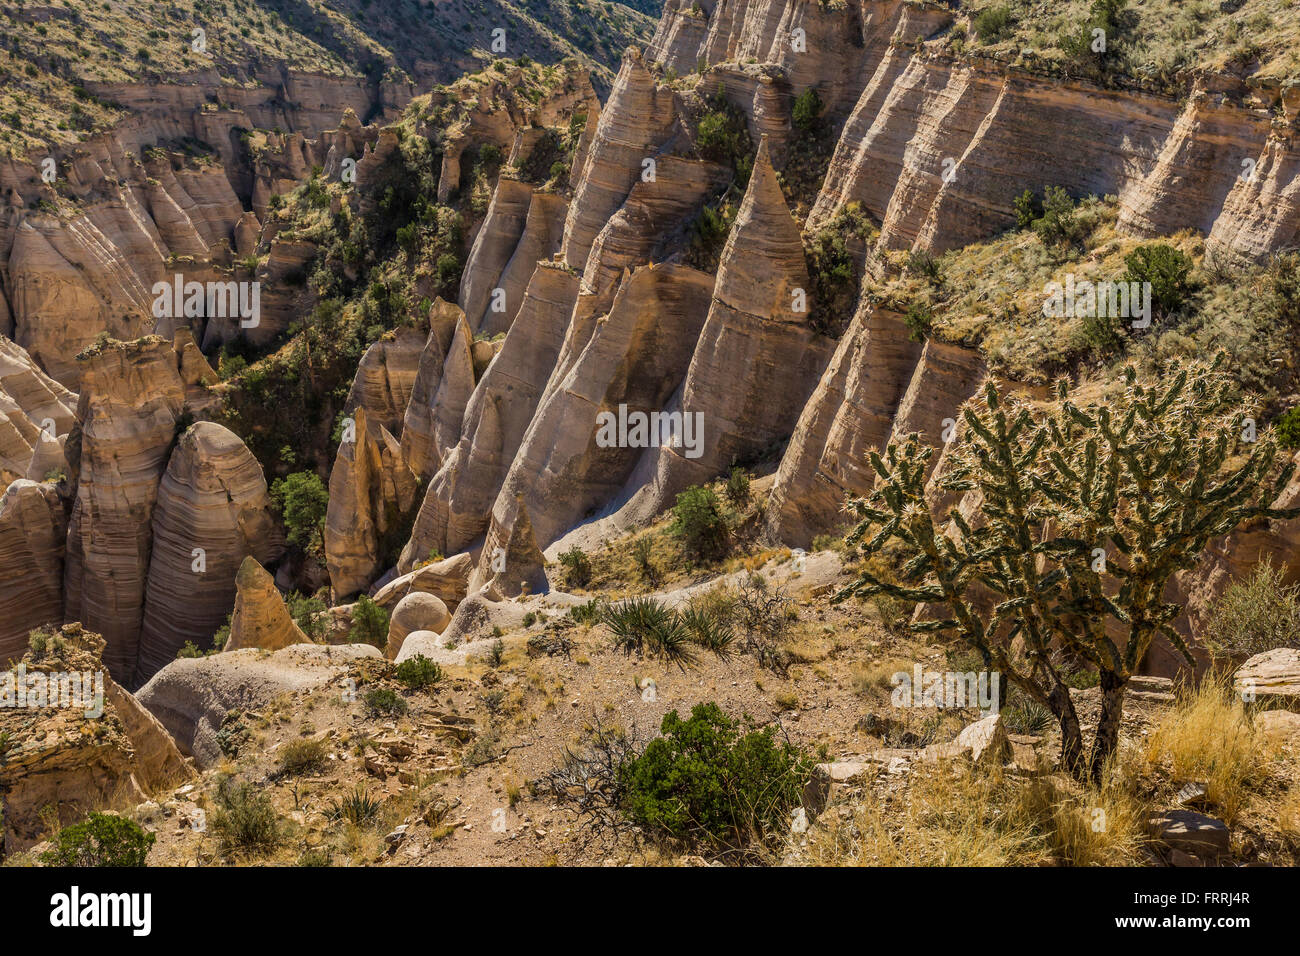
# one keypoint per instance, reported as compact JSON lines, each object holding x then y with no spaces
{"x":418,"y":611}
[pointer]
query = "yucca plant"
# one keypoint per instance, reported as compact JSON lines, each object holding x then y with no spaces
{"x":642,"y":551}
{"x":357,"y":808}
{"x":708,"y":630}
{"x":642,"y":625}
{"x":1028,"y":717}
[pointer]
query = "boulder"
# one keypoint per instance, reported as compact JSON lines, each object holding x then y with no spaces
{"x":417,"y":644}
{"x":1281,"y":726}
{"x":983,"y":741}
{"x":448,"y":579}
{"x":1191,"y":832}
{"x":828,"y":778}
{"x":1273,"y":674}
{"x":417,"y":611}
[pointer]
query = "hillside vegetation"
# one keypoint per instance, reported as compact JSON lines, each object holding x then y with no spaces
{"x":53,"y":57}
{"x":1152,"y":41}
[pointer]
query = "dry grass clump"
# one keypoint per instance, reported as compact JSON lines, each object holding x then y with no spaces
{"x":877,"y":677}
{"x":1288,"y":818}
{"x":1208,"y":736}
{"x":968,"y":816}
{"x":298,"y":757}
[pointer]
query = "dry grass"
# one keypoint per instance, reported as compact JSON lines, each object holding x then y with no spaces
{"x":877,"y":677}
{"x":1288,"y":818}
{"x":967,"y":816}
{"x":1165,"y":36}
{"x":1092,"y":826}
{"x":1207,"y":736}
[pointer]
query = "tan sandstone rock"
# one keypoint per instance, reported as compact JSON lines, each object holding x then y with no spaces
{"x":213,"y":500}
{"x":418,"y":611}
{"x":131,"y":401}
{"x":260,"y":618}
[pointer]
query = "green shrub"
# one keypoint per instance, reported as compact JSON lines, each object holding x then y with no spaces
{"x":1103,"y":334}
{"x":1288,"y":427}
{"x":1058,"y":224}
{"x":709,"y":235}
{"x":1081,"y":45}
{"x":700,"y":524}
{"x":303,"y":756}
{"x":643,"y":554}
{"x":992,"y":23}
{"x":369,"y":623}
{"x":833,"y":268}
{"x":303,"y":501}
{"x":102,"y":839}
{"x":722,"y":136}
{"x":738,"y":486}
{"x":1028,"y":209}
{"x":919,"y":320}
{"x":586,"y":613}
{"x":38,"y":640}
{"x":245,"y":820}
{"x":307,"y":613}
{"x":381,"y":701}
{"x":1255,"y":615}
{"x":1166,"y":269}
{"x":925,"y":264}
{"x":807,"y":111}
{"x":418,"y":672}
{"x":577,"y":567}
{"x":704,"y":782}
{"x":449,"y":268}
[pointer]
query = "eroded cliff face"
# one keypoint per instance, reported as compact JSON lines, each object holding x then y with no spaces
{"x":936,"y":148}
{"x":36,"y":414}
{"x":32,"y":531}
{"x":131,"y":401}
{"x":850,"y":413}
{"x":755,"y":344}
{"x":634,"y":361}
{"x":108,"y":752}
{"x":213,"y":510}
{"x":371,"y":490}
{"x":479,"y":437}
{"x":80,"y":256}
{"x":638,"y":119}
{"x":456,"y":507}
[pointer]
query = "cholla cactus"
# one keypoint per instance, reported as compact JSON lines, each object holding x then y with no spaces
{"x":1074,"y":523}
